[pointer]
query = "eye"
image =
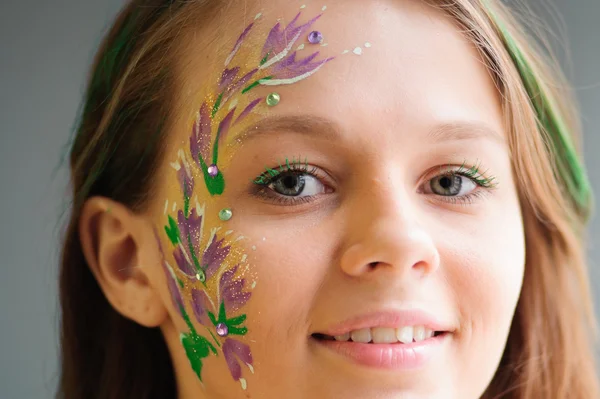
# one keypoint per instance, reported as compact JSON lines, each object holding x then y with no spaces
{"x":290,"y":184}
{"x":460,"y":186}
{"x":296,"y":184}
{"x":451,"y":185}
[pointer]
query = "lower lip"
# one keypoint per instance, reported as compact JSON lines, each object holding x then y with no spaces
{"x":395,"y":356}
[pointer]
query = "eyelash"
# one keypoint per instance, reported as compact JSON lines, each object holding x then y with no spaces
{"x":262,"y":182}
{"x":484,"y":184}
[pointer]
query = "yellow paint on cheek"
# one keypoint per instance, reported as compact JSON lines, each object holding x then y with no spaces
{"x":205,"y":261}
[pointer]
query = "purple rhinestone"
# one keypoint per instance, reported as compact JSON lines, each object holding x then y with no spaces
{"x":315,"y":37}
{"x":213,"y":170}
{"x":222,"y":330}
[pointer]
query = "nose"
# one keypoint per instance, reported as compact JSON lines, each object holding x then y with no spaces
{"x":384,"y":234}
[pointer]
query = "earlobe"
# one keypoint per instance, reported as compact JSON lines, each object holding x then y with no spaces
{"x":112,"y":242}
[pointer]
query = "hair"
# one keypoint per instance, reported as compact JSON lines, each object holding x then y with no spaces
{"x":123,"y":124}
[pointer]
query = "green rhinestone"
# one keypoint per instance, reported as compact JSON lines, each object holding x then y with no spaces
{"x":225,"y":214}
{"x":273,"y":99}
{"x":201,"y":276}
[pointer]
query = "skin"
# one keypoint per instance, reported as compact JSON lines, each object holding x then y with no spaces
{"x":462,"y":263}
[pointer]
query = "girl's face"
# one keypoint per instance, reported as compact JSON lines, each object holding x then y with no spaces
{"x":371,"y":208}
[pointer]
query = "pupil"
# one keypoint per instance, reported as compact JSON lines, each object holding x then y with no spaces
{"x":289,"y":182}
{"x":446,"y":182}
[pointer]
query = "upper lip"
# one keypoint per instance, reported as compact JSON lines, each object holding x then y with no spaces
{"x":390,"y":319}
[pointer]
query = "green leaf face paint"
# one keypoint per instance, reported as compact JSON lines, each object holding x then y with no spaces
{"x":173,"y":231}
{"x":207,"y":281}
{"x":207,"y":288}
{"x":276,"y":65}
{"x":197,"y":348}
{"x":214,"y":184}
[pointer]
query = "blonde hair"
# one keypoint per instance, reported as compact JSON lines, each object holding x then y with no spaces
{"x":550,"y":351}
{"x":118,"y":147}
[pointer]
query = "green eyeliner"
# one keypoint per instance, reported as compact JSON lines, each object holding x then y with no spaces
{"x":474,"y":173}
{"x":269,"y":173}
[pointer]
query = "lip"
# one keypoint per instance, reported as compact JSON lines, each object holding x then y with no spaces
{"x":391,"y":319}
{"x":395,"y":356}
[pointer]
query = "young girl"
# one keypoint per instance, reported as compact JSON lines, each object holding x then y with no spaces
{"x":346,"y":199}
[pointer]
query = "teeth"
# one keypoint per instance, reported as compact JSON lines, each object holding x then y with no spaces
{"x":387,"y":335}
{"x":384,"y":335}
{"x":362,"y":335}
{"x":344,"y":337}
{"x":405,"y":334}
{"x":419,"y":333}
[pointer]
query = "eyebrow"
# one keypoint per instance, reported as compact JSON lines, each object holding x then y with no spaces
{"x":466,"y":130}
{"x":307,"y":125}
{"x":323,"y":128}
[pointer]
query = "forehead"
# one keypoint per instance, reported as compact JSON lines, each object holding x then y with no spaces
{"x":415,"y":68}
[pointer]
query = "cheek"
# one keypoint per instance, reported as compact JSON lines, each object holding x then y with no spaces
{"x":484,"y":270}
{"x":485,"y":264}
{"x":288,"y":279}
{"x":487,"y":283}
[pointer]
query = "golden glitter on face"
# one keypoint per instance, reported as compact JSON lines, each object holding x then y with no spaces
{"x":209,"y":278}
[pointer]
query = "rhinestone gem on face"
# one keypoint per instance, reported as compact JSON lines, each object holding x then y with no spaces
{"x":315,"y":37}
{"x":225,"y":214}
{"x":273,"y":99}
{"x":222,"y":330}
{"x":213,"y":170}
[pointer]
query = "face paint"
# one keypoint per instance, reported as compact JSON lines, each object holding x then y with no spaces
{"x":275,"y":65}
{"x":205,"y":278}
{"x":205,"y":283}
{"x":269,"y":174}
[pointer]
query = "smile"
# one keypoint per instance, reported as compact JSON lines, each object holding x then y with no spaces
{"x":384,"y":335}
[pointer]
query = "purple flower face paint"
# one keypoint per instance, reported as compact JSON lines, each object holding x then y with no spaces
{"x":206,"y":289}
{"x":275,"y":65}
{"x":207,"y":277}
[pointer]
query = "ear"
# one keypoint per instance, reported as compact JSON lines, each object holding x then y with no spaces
{"x":112,"y":238}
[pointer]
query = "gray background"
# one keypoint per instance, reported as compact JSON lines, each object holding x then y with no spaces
{"x":46,"y":49}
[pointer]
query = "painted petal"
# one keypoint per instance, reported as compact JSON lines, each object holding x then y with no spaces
{"x":171,"y":282}
{"x":228,"y":77}
{"x":273,"y":43}
{"x":247,"y":110}
{"x":279,"y":42}
{"x":234,"y":296}
{"x":195,"y":224}
{"x":190,"y":229}
{"x":173,"y":289}
{"x":186,"y":180}
{"x":214,"y":256}
{"x":224,"y":126}
{"x":183,"y":260}
{"x":232,"y":350}
{"x":295,"y":79}
{"x":200,"y":142}
{"x":290,"y":68}
{"x":238,"y":44}
{"x":201,"y":306}
{"x":277,"y":39}
{"x":235,"y":87}
{"x":290,"y":61}
{"x":232,"y":291}
{"x":242,"y":81}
